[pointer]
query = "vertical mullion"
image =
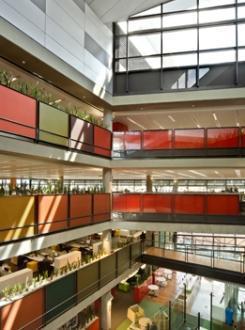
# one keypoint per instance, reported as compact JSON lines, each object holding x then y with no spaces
{"x":237,"y":63}
{"x":198,"y":46}
{"x":127,"y":84}
{"x":161,"y":71}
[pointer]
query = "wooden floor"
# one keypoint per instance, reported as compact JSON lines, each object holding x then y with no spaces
{"x":196,"y":259}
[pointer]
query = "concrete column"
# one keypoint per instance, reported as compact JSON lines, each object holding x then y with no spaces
{"x":106,"y":241}
{"x":13,"y":183}
{"x":107,"y":119}
{"x":106,"y":301}
{"x":107,"y":179}
{"x":149,"y":183}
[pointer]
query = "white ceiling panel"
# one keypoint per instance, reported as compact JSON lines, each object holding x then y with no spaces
{"x":117,"y":10}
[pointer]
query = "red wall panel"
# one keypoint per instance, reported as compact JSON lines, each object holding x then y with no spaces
{"x":52,"y":209}
{"x":119,"y":202}
{"x":132,"y":140}
{"x":189,"y":138}
{"x":189,"y":204}
{"x":18,"y":108}
{"x":80,"y":210}
{"x":102,"y":141}
{"x":222,"y":137}
{"x":223,"y":204}
{"x":154,"y":203}
{"x":133,"y":202}
{"x":101,"y":207}
{"x":157,"y":139}
{"x":20,"y":312}
{"x":243,"y":137}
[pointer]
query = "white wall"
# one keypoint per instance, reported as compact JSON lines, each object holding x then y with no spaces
{"x":61,"y":28}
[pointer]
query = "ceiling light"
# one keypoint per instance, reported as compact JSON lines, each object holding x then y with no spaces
{"x":238,"y":173}
{"x":197,"y":173}
{"x":57,"y":101}
{"x":171,"y":118}
{"x":169,"y":171}
{"x":238,"y":124}
{"x":135,"y":123}
{"x":14,"y":79}
{"x":157,"y":124}
{"x":216,"y":172}
{"x":23,"y":62}
{"x":199,"y":126}
{"x":215,"y":117}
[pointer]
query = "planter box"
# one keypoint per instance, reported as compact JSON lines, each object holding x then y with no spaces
{"x":53,"y":125}
{"x":16,"y":211}
{"x":52,"y":213}
{"x":80,"y":210}
{"x":19,"y":277}
{"x":101,"y":207}
{"x":16,"y":110}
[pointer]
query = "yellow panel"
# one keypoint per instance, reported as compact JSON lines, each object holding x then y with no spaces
{"x":53,"y":139}
{"x":53,"y":120}
{"x":16,"y":211}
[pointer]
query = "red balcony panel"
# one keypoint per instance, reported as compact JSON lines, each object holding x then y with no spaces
{"x":27,"y":310}
{"x":189,"y":138}
{"x":132,"y":140}
{"x":81,"y":134}
{"x":119,"y":202}
{"x":80,"y":210}
{"x":52,"y":213}
{"x":222,"y":137}
{"x":101,"y":207}
{"x":189,"y":204}
{"x":20,"y":109}
{"x":102,"y":141}
{"x":243,"y":137}
{"x":133,"y":203}
{"x":118,"y":140}
{"x":157,"y":203}
{"x":223,"y":204}
{"x":153,"y":140}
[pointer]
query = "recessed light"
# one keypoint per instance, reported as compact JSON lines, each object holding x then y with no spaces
{"x":23,"y":62}
{"x":215,"y":117}
{"x":238,"y":124}
{"x":57,"y":101}
{"x":193,"y":105}
{"x":216,"y":172}
{"x":171,"y":118}
{"x":198,"y":126}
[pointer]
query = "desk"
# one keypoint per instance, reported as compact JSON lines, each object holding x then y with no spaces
{"x":153,"y":289}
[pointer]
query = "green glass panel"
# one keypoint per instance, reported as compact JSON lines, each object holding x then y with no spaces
{"x":123,"y":260}
{"x":108,"y":269}
{"x":87,"y":281}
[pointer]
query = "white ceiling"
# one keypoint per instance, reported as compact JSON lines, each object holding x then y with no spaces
{"x":194,"y":118}
{"x":117,"y":10}
{"x":19,"y":167}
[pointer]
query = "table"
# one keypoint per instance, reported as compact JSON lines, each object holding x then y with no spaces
{"x":144,"y":322}
{"x":153,"y":289}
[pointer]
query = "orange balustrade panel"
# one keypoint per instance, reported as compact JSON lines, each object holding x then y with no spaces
{"x":189,"y":138}
{"x":189,"y":204}
{"x":153,"y":140}
{"x":81,"y":134}
{"x":19,"y":110}
{"x":52,"y":213}
{"x":80,"y":210}
{"x":223,"y":204}
{"x":101,"y":207}
{"x":102,"y":141}
{"x":153,"y":203}
{"x":222,"y":137}
{"x":20,"y":313}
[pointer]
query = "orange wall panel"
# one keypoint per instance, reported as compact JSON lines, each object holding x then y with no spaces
{"x":223,"y":204}
{"x":189,"y":204}
{"x":52,"y":213}
{"x":154,"y":203}
{"x":101,"y":207}
{"x":102,"y":141}
{"x":80,"y":209}
{"x":19,"y":313}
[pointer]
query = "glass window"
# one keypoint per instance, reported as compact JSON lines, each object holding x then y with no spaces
{"x":179,"y":19}
{"x":217,"y":37}
{"x":179,"y":60}
{"x":144,"y":24}
{"x":121,"y":28}
{"x":142,"y":63}
{"x":178,"y":5}
{"x":152,"y":11}
{"x":241,"y":1}
{"x":214,"y":3}
{"x":217,"y":15}
{"x":241,"y":12}
{"x":241,"y":55}
{"x":216,"y":57}
{"x":120,"y":65}
{"x":143,"y":45}
{"x":120,"y":47}
{"x":241,"y":34}
{"x":181,"y":40}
